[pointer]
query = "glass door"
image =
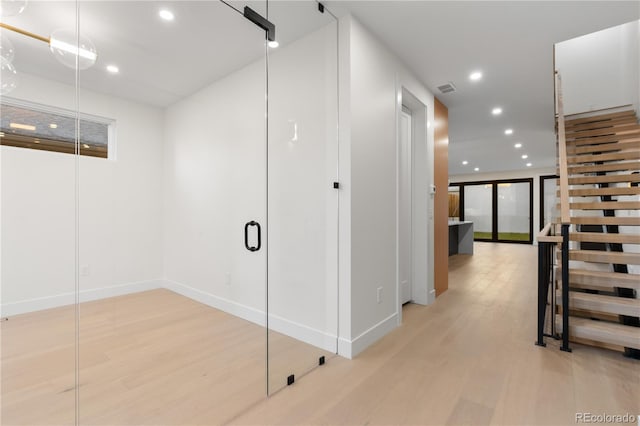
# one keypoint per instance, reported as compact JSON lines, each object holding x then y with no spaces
{"x":501,"y":210}
{"x":172,"y":250}
{"x":514,"y":211}
{"x":303,"y":191}
{"x":478,"y":208}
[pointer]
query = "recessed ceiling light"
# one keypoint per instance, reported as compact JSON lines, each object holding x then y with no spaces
{"x":525,"y":156}
{"x":166,"y":15}
{"x":476,"y":169}
{"x":465,"y":162}
{"x":475,"y":76}
{"x":113,"y":69}
{"x":528,"y":164}
{"x":508,"y":132}
{"x":273,"y":44}
{"x":496,"y":111}
{"x":53,"y":125}
{"x":518,"y":145}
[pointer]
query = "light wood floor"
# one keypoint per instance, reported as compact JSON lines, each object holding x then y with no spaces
{"x":467,"y":359}
{"x":151,"y":358}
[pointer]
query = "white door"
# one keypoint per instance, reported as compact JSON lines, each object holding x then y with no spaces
{"x":404,"y":206}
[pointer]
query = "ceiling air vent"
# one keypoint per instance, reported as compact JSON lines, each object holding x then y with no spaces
{"x":447,"y":88}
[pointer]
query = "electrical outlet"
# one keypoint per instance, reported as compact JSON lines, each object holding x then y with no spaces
{"x":227,"y":278}
{"x":84,"y":270}
{"x":379,"y":294}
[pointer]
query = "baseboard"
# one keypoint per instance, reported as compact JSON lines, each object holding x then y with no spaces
{"x":64,"y":299}
{"x":351,"y":349}
{"x":253,"y":315}
{"x":309,"y":335}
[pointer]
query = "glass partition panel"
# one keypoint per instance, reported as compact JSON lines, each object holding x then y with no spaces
{"x":302,"y":278}
{"x":478,"y":209}
{"x":514,"y":211}
{"x":38,"y":217}
{"x":548,"y":200}
{"x":173,"y":221}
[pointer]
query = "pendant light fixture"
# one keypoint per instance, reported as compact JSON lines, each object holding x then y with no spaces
{"x":69,"y":48}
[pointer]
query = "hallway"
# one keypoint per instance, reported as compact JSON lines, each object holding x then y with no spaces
{"x":467,"y":359}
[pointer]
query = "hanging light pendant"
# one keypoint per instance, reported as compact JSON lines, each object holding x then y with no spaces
{"x":67,"y":47}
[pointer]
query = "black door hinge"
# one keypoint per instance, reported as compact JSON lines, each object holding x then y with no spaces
{"x":263,"y":23}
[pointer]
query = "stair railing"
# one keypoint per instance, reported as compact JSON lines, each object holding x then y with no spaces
{"x":565,"y":219}
{"x":547,"y":243}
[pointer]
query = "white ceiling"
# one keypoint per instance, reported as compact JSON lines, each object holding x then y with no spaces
{"x":510,"y":42}
{"x":160,"y":62}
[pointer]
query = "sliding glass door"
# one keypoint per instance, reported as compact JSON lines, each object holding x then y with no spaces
{"x":514,"y":211}
{"x":478,"y":208}
{"x":501,"y":211}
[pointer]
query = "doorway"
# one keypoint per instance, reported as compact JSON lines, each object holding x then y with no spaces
{"x":404,"y":206}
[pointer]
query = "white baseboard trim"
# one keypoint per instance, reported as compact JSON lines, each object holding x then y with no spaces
{"x":351,"y":348}
{"x":48,"y":302}
{"x":309,"y":335}
{"x":344,"y":348}
{"x":253,"y":315}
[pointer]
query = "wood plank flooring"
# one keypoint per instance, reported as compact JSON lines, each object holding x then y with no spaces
{"x":467,"y":359}
{"x":157,"y":358}
{"x":151,"y":358}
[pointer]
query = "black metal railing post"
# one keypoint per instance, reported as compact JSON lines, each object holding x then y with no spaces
{"x":543,"y":285}
{"x":565,"y":288}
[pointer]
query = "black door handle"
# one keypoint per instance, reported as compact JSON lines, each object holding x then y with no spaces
{"x":246,"y":236}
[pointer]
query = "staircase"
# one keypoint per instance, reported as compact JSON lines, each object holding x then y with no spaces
{"x":603,"y":165}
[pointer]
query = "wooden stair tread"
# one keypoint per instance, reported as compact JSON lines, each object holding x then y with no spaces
{"x":600,"y":140}
{"x":599,"y":192}
{"x":626,"y":129}
{"x":601,"y":303}
{"x":605,"y":279}
{"x":597,"y":256}
{"x":630,"y":144}
{"x":600,"y":118}
{"x":602,"y":331}
{"x":622,"y":177}
{"x":601,"y":220}
{"x":592,"y":125}
{"x":596,"y":158}
{"x":606,"y":205}
{"x":606,"y":167}
{"x":604,"y":237}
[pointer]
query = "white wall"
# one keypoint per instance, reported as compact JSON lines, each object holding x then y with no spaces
{"x":119,"y":200}
{"x":519,"y":174}
{"x":601,"y":70}
{"x":373,"y":81}
{"x":215,"y":182}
